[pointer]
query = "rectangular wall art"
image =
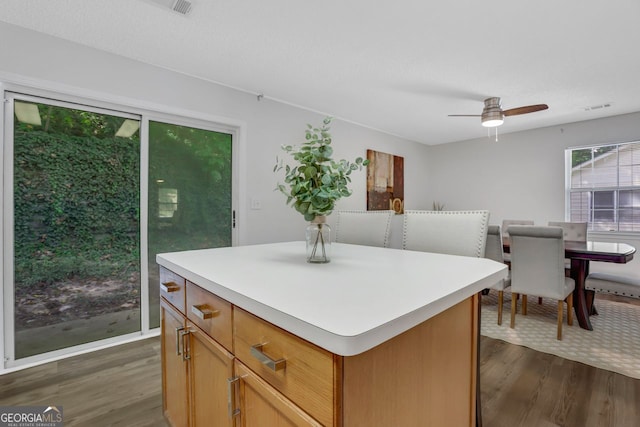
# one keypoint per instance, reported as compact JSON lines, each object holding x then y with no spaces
{"x":385,"y":182}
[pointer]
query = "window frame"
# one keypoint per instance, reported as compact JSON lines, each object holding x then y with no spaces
{"x":590,"y":191}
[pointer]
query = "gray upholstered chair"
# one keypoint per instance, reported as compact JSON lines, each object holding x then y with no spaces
{"x":494,"y":251}
{"x":537,"y":268}
{"x":368,"y":228}
{"x":572,"y":231}
{"x":448,"y":232}
{"x":623,"y":284}
{"x":505,"y":231}
{"x":509,"y":222}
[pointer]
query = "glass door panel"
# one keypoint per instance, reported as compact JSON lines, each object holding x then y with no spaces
{"x":190,"y":195}
{"x":76,"y":225}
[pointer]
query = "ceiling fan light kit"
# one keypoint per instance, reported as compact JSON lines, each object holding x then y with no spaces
{"x":493,"y":115}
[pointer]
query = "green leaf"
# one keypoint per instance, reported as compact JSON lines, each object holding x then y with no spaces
{"x":316,"y":181}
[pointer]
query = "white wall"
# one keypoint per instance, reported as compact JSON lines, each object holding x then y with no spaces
{"x":45,"y":62}
{"x":521,"y":176}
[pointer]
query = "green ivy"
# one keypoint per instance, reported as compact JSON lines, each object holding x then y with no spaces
{"x":76,"y":206}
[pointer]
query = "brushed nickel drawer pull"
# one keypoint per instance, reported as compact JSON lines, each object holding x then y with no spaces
{"x":169,"y":287}
{"x":203,"y":311}
{"x":178,"y":330}
{"x":275,"y":365}
{"x":232,"y":392}
{"x":186,"y":345}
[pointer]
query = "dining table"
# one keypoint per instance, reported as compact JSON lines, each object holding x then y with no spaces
{"x":580,"y":255}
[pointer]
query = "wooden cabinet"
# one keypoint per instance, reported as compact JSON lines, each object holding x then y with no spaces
{"x":224,"y":366}
{"x":211,"y":366}
{"x":175,"y":386}
{"x":301,"y":371}
{"x":195,"y":368}
{"x":262,"y":405}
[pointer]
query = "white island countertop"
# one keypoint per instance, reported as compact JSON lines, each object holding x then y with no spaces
{"x":363,"y":297}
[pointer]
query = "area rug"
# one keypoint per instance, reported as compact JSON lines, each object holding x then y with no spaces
{"x":614,"y":343}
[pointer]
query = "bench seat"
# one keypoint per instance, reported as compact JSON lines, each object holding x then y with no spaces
{"x":618,"y":284}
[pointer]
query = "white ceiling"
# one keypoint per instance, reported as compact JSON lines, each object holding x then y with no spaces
{"x":397,"y":66}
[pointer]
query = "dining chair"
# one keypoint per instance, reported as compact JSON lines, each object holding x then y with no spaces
{"x":505,"y":231}
{"x":494,"y":251}
{"x":447,"y":232}
{"x":369,"y":228}
{"x":506,"y":223}
{"x":537,"y":268}
{"x":574,"y":232}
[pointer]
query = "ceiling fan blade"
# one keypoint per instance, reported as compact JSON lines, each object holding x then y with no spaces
{"x":525,"y":110}
{"x":464,"y":115}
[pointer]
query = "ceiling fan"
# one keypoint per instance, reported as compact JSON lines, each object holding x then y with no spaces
{"x":493,"y":115}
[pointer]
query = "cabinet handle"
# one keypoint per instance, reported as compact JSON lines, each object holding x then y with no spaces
{"x":232,"y":388}
{"x":186,"y":347}
{"x":178,"y":336}
{"x":203,"y":311}
{"x":169,"y":287}
{"x":274,"y":365}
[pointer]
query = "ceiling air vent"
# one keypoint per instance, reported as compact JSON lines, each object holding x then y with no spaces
{"x":183,"y":7}
{"x":597,"y":107}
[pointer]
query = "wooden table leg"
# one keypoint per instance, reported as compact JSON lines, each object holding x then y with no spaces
{"x":579,"y":271}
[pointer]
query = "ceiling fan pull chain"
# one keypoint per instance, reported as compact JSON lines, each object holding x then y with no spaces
{"x":496,"y":134}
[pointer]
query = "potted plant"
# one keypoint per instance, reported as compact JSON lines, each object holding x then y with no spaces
{"x":315,"y":183}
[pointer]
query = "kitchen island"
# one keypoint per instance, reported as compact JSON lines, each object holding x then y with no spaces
{"x":377,"y":337}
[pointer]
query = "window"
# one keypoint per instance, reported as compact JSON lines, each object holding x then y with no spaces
{"x":604,"y":186}
{"x":167,"y":202}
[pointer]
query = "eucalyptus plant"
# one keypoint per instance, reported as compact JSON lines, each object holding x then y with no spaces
{"x":313,"y":186}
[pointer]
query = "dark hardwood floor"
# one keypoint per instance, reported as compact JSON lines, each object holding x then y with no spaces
{"x":118,"y":386}
{"x":121,"y":386}
{"x":523,"y":387}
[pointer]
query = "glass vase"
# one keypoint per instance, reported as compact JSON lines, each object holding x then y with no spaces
{"x":318,"y":236}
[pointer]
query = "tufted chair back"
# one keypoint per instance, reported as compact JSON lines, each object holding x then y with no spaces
{"x":447,"y":232}
{"x":369,"y":228}
{"x":572,"y":231}
{"x":509,"y":222}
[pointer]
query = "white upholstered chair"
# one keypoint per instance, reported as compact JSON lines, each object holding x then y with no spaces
{"x":505,"y":230}
{"x":537,"y":268}
{"x":494,"y":251}
{"x":447,"y":232}
{"x":509,"y":222}
{"x":572,"y":231}
{"x":369,"y":228}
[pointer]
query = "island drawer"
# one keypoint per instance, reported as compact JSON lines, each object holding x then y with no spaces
{"x":210,"y":313}
{"x":172,"y":288}
{"x":298,"y":369}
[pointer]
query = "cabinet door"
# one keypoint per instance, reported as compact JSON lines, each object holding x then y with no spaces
{"x":211,"y":367}
{"x":262,"y":405}
{"x":175,"y":388}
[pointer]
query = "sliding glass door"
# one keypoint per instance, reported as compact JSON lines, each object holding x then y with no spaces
{"x":91,"y":195}
{"x":190,"y":194}
{"x":76,"y":225}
